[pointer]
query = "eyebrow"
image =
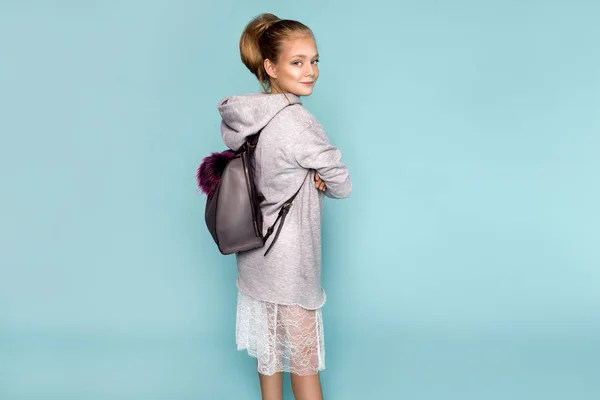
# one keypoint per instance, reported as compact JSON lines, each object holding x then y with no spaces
{"x":303,"y":56}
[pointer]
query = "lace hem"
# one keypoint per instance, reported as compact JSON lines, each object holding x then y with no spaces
{"x":282,"y":338}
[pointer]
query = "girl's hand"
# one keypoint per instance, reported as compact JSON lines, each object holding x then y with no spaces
{"x":319,"y":184}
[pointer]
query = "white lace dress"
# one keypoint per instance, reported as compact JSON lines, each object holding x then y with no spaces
{"x":282,"y":338}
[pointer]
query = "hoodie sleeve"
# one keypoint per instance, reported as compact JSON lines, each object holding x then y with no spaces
{"x":312,"y":150}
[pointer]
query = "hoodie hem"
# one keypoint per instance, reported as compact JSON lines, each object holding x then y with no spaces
{"x":284,"y":303}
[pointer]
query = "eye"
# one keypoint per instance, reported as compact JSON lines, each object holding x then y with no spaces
{"x":297,"y":63}
{"x":316,"y":61}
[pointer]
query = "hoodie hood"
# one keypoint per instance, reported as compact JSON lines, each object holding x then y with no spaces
{"x":246,"y":115}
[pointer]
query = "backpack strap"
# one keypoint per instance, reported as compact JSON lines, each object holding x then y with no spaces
{"x":282,"y":214}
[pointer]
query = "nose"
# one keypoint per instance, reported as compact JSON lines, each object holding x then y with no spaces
{"x":310,"y":70}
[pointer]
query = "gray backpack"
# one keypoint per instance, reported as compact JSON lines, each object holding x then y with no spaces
{"x":233,"y":214}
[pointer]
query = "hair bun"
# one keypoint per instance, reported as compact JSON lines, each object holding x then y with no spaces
{"x":249,"y":42}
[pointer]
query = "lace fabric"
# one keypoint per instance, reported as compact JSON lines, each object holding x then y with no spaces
{"x":282,"y":338}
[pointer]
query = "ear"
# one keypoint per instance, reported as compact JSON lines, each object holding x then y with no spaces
{"x":270,"y":68}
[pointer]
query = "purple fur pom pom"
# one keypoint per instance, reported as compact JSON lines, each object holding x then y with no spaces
{"x":211,"y":169}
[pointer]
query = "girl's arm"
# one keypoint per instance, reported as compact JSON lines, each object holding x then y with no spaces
{"x":313,"y":150}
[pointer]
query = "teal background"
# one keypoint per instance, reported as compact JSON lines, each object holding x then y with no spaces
{"x":465,"y":265}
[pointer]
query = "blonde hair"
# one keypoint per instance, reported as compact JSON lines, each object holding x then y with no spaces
{"x":264,"y":38}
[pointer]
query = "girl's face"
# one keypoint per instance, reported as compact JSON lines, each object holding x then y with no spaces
{"x":297,"y":70}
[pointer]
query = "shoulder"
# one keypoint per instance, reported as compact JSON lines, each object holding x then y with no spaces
{"x":298,"y":119}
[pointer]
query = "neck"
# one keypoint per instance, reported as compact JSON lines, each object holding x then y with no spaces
{"x":275,"y":88}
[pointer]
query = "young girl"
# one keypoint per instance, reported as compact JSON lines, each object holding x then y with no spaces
{"x":280,"y":297}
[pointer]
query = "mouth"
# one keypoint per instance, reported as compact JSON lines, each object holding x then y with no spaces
{"x":307,"y":83}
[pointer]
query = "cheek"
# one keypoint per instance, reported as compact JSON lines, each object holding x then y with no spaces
{"x":299,"y":75}
{"x":293,"y":73}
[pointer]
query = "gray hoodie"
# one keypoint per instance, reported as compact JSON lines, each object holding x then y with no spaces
{"x":292,"y":144}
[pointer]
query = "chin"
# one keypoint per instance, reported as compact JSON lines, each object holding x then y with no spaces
{"x":304,"y":91}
